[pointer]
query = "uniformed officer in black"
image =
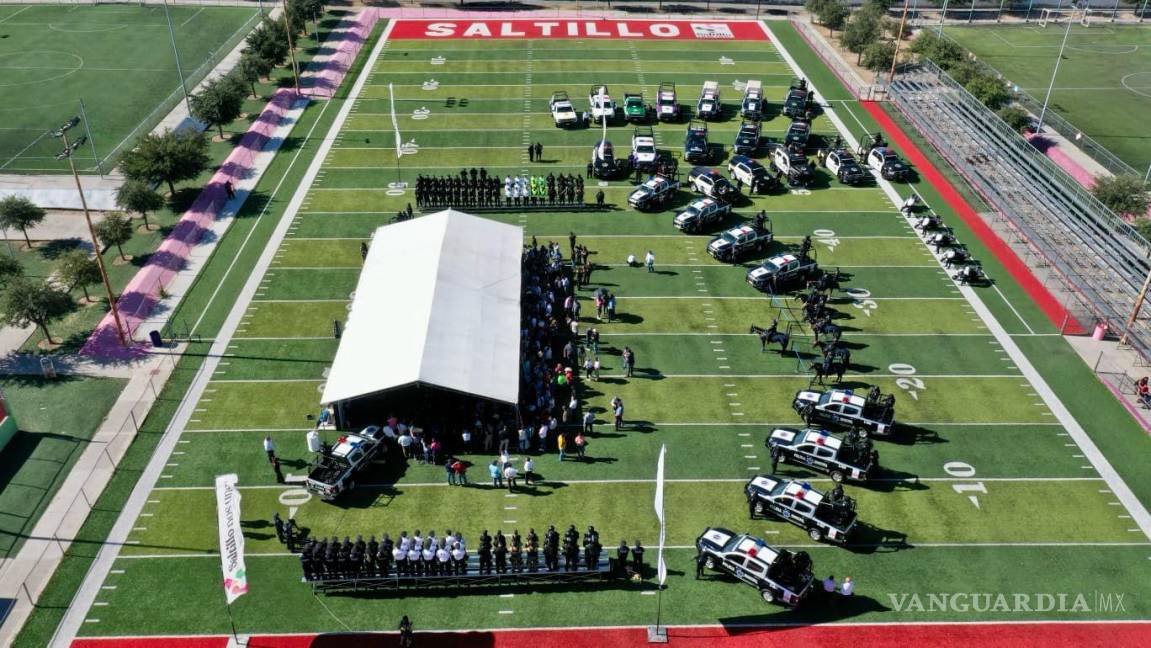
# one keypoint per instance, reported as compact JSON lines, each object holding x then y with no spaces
{"x":279,"y":524}
{"x":384,"y":555}
{"x":637,"y":557}
{"x":551,"y":556}
{"x":485,"y":553}
{"x":571,"y":535}
{"x":501,"y":553}
{"x":700,"y":563}
{"x":621,"y":553}
{"x":517,"y":552}
{"x":552,"y":536}
{"x":533,"y":550}
{"x":599,"y":198}
{"x":571,"y":556}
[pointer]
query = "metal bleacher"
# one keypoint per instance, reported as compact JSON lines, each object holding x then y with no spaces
{"x":1097,"y":258}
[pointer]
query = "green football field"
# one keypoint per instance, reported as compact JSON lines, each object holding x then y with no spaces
{"x":989,"y":493}
{"x":1104,"y":81}
{"x":117,"y":59}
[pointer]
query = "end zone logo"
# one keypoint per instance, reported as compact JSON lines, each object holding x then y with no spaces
{"x":577,"y":29}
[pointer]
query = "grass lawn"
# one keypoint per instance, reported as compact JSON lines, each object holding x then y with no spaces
{"x":56,"y":418}
{"x":1104,"y":81}
{"x":117,"y":59}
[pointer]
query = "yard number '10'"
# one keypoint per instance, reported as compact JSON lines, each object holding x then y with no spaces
{"x":907,"y":381}
{"x":860,"y":299}
{"x":961,"y":469}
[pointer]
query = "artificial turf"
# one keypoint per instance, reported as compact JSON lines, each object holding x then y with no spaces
{"x":1035,"y":481}
{"x":1103,"y":86}
{"x":51,"y":438}
{"x":116,"y":59}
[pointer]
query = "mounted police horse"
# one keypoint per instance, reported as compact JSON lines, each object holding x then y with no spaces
{"x":828,"y":366}
{"x":771,"y":335}
{"x":824,"y":327}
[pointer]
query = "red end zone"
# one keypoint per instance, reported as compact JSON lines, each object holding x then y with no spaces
{"x":945,"y":635}
{"x":572,"y":28}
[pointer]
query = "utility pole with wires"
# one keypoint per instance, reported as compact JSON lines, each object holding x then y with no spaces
{"x":66,"y":154}
{"x":898,"y":40}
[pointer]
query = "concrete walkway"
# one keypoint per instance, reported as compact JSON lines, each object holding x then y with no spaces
{"x":24,"y":576}
{"x":1118,"y":368}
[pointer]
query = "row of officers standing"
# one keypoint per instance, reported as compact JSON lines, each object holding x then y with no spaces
{"x":416,"y":555}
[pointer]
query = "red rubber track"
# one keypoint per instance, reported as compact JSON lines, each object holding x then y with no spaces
{"x":952,"y":635}
{"x":1018,"y":270}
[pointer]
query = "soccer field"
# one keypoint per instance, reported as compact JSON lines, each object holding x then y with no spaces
{"x":1104,"y":82}
{"x":117,"y":59}
{"x":988,"y":492}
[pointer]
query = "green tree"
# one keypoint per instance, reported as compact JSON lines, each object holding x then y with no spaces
{"x":77,"y":269}
{"x":816,"y":8}
{"x":834,"y":15}
{"x":115,"y":229}
{"x":169,"y":157}
{"x":1143,"y":226}
{"x":944,"y":52}
{"x":298,"y":14}
{"x":137,"y":196}
{"x":219,"y":103}
{"x":988,"y":89}
{"x":862,"y":30}
{"x":17,"y":212}
{"x":1126,"y":194}
{"x":878,"y":56}
{"x":26,"y":302}
{"x":1016,"y":117}
{"x":268,"y":41}
{"x":252,"y":68}
{"x":10,"y":270}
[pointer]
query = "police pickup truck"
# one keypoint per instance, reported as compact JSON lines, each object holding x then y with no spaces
{"x":747,"y":138}
{"x":845,"y":167}
{"x":798,"y":100}
{"x":851,"y":458}
{"x":634,"y":109}
{"x":708,"y":106}
{"x":710,"y":183}
{"x":747,"y":171}
{"x":886,"y":161}
{"x":738,"y":242}
{"x":701,"y":214}
{"x":643,"y":151}
{"x":655,"y":192}
{"x":600,"y":104}
{"x":821,"y":516}
{"x":793,"y":165}
{"x":752,"y":107}
{"x":666,"y":104}
{"x":563,"y":114}
{"x":843,"y":408}
{"x":780,"y":575}
{"x":695,"y":145}
{"x":336,"y":472}
{"x":798,"y":133}
{"x":782,"y":272}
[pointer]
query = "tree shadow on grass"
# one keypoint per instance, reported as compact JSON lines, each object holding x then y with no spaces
{"x":52,"y":250}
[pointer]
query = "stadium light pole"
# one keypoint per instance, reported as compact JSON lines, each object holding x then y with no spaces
{"x":66,"y":154}
{"x":1054,"y":73}
{"x":898,"y":41}
{"x":176,"y":52}
{"x":291,"y":49}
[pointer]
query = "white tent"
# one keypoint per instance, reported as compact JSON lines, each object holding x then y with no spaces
{"x":438,"y":303}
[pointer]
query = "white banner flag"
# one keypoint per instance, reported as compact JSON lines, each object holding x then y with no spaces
{"x":661,"y":566}
{"x":395,"y":124}
{"x":231,"y":537}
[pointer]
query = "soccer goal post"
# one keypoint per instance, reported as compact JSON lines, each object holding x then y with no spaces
{"x":1048,"y":14}
{"x":1085,"y":18}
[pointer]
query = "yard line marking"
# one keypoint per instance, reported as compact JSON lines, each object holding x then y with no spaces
{"x":1059,"y":410}
{"x":506,"y":612}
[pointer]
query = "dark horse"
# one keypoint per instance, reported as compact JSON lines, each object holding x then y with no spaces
{"x":830,"y":365}
{"x":824,"y":327}
{"x":771,"y":335}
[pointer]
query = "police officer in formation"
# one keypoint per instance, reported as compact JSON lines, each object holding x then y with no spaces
{"x":475,"y":188}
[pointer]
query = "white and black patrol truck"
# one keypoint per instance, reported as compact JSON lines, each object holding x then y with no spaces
{"x":739,"y":242}
{"x":782,"y":272}
{"x":712,"y":184}
{"x":653,"y":193}
{"x":752,"y":107}
{"x":708,"y":106}
{"x":700,"y":215}
{"x":843,"y":408}
{"x":822,"y":516}
{"x":336,"y":472}
{"x":779,"y":575}
{"x":747,"y":138}
{"x":563,"y":114}
{"x":746,"y":171}
{"x":845,"y":167}
{"x":797,"y":135}
{"x":793,"y":165}
{"x":887,"y":162}
{"x":666,"y":104}
{"x":852,"y":458}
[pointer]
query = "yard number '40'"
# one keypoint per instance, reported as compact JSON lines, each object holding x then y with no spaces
{"x":907,"y":380}
{"x":961,"y":469}
{"x":826,"y":237}
{"x":860,"y":298}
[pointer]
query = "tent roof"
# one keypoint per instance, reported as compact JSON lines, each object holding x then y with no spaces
{"x":438,"y":303}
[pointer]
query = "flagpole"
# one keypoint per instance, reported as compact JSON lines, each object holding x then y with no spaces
{"x":232,"y":621}
{"x":657,"y":633}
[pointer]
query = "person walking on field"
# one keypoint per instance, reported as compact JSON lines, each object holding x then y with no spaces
{"x":649,"y":261}
{"x":561,"y":442}
{"x":270,"y":448}
{"x":531,"y":153}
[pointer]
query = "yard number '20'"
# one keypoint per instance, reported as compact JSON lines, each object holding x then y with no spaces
{"x":907,"y":380}
{"x":961,"y":469}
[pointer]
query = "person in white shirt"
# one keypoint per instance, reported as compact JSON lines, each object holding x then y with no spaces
{"x":405,"y":442}
{"x":270,"y":448}
{"x":390,"y":432}
{"x":315,"y":444}
{"x":510,"y":475}
{"x":400,"y":556}
{"x":649,"y":261}
{"x":445,"y":559}
{"x":543,"y":432}
{"x":505,"y":458}
{"x":848,"y":587}
{"x":529,"y":466}
{"x":459,"y":559}
{"x":429,"y":556}
{"x":829,"y":585}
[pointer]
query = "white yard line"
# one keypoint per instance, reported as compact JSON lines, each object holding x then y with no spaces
{"x":90,"y":588}
{"x":1123,"y":493}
